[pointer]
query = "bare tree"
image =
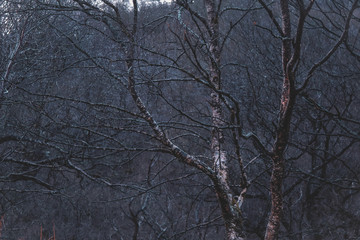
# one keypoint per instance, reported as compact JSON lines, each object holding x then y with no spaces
{"x":200,"y":120}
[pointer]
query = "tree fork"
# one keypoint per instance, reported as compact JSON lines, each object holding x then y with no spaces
{"x":282,"y":133}
{"x":230,"y":211}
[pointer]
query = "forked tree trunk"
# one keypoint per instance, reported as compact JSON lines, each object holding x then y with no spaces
{"x":289,"y":93}
{"x":231,"y":213}
{"x":283,"y":128}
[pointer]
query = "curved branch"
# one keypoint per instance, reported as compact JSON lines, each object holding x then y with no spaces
{"x":333,"y":49}
{"x":272,"y":17}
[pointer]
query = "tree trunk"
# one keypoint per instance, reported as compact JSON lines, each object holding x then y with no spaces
{"x":230,"y":211}
{"x":283,"y":128}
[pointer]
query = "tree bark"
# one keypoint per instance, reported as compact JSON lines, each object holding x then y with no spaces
{"x":288,"y":96}
{"x":230,"y":211}
{"x":283,"y":128}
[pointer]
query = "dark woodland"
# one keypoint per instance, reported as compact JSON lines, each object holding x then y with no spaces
{"x":193,"y":120}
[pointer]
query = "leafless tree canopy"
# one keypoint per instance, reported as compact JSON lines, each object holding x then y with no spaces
{"x":205,"y":119}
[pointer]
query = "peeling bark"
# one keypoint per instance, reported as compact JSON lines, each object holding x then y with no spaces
{"x":230,"y":209}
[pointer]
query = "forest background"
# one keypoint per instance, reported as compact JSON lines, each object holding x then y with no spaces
{"x":205,"y":119}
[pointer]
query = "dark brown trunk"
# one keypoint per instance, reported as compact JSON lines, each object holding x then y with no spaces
{"x":283,"y":128}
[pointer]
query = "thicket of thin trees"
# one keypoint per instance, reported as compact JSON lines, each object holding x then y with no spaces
{"x":192,"y":120}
